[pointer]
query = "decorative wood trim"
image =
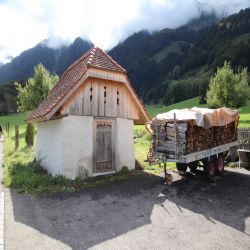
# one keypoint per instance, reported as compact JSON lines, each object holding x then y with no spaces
{"x":104,"y":123}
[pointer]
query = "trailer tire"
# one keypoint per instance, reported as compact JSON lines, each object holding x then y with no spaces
{"x":220,"y":165}
{"x":209,"y":168}
{"x":193,"y":166}
{"x":181,"y":167}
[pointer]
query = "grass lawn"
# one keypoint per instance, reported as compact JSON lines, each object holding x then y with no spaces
{"x":153,"y":110}
{"x":23,"y":173}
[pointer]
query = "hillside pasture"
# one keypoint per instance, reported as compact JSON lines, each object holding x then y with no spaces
{"x":153,"y":110}
{"x":13,"y":120}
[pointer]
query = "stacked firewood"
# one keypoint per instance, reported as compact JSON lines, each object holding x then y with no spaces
{"x":186,"y":137}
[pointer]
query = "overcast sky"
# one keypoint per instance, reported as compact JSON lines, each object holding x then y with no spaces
{"x":24,"y":23}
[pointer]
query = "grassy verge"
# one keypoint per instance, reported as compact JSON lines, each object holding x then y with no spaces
{"x":142,"y":144}
{"x":26,"y":175}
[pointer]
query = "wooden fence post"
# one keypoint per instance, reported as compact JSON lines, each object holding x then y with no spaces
{"x":8,"y":129}
{"x":16,"y":137}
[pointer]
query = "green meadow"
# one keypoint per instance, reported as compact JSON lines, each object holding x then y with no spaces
{"x":20,"y":163}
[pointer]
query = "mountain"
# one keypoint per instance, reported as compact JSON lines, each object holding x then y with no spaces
{"x":55,"y":60}
{"x":166,"y":66}
{"x":176,"y":64}
{"x":148,"y":57}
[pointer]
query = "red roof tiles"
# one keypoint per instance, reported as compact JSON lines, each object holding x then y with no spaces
{"x":96,"y":58}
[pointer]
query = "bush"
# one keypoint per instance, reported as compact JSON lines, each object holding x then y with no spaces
{"x":29,"y":137}
{"x":124,"y":170}
{"x":138,"y":165}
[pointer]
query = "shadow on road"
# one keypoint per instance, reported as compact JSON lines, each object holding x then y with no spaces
{"x":227,"y":199}
{"x":89,"y":217}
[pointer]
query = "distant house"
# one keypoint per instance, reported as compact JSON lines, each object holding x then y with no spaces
{"x":85,"y":125}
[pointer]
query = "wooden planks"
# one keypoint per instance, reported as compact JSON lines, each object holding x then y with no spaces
{"x":100,"y":98}
{"x":175,"y":139}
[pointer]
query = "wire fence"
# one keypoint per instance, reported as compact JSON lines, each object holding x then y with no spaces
{"x":244,"y":138}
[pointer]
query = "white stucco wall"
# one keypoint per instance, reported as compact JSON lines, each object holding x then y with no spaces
{"x":49,"y":147}
{"x":78,"y":145}
{"x":125,"y":155}
{"x":66,"y":145}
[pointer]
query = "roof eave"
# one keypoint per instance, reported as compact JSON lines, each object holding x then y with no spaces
{"x":36,"y":119}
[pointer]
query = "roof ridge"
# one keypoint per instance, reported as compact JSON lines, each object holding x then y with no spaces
{"x":82,"y":57}
{"x":92,"y":54}
{"x":111,"y":60}
{"x":78,"y":60}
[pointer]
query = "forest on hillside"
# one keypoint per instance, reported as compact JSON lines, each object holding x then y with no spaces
{"x":182,"y":69}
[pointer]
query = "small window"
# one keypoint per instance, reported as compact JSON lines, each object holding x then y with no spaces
{"x":90,"y":97}
{"x":117,"y":100}
{"x":105,"y":92}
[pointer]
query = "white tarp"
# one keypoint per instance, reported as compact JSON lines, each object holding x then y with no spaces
{"x":202,"y":116}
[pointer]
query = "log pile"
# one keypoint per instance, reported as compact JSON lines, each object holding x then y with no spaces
{"x":187,"y":137}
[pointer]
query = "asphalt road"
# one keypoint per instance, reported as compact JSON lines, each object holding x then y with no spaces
{"x":138,"y":214}
{"x":1,"y":197}
{"x":1,"y":161}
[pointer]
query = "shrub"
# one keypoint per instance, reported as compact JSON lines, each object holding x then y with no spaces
{"x":29,"y":137}
{"x":124,"y":170}
{"x":138,"y":165}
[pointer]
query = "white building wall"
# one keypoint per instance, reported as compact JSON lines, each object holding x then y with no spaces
{"x":49,"y":147}
{"x":125,"y":155}
{"x":78,"y":146}
{"x":65,"y":146}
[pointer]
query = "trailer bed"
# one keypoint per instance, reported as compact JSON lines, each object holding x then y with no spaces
{"x":196,"y":156}
{"x":206,"y":153}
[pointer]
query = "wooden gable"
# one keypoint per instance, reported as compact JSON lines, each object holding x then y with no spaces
{"x":103,"y":94}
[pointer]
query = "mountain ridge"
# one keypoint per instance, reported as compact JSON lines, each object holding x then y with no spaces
{"x":55,"y":60}
{"x":165,"y":66}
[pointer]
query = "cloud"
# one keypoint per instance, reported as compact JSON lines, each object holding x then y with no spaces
{"x":26,"y":23}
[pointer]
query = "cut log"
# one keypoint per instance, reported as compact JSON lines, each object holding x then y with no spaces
{"x":187,"y":137}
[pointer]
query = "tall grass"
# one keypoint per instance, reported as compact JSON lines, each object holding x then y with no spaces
{"x":23,"y":172}
{"x":142,"y":144}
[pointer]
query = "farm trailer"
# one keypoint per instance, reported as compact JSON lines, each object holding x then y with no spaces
{"x":212,"y":160}
{"x":194,"y":137}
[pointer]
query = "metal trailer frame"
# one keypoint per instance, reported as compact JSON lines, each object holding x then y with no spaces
{"x":193,"y":157}
{"x":196,"y":156}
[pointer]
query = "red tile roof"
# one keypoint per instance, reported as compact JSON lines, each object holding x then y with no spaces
{"x":96,"y":58}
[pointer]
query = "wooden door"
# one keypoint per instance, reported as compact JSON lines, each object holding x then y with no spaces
{"x":103,"y":147}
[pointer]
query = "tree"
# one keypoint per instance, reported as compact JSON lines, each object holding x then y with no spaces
{"x":227,"y":88}
{"x":29,"y":136}
{"x":35,"y":90}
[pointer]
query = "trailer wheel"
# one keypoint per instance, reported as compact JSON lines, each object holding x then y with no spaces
{"x":220,"y":165}
{"x":181,"y":167}
{"x":209,"y":168}
{"x":193,"y":166}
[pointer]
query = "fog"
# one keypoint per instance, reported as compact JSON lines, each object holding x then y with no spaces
{"x":26,"y":23}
